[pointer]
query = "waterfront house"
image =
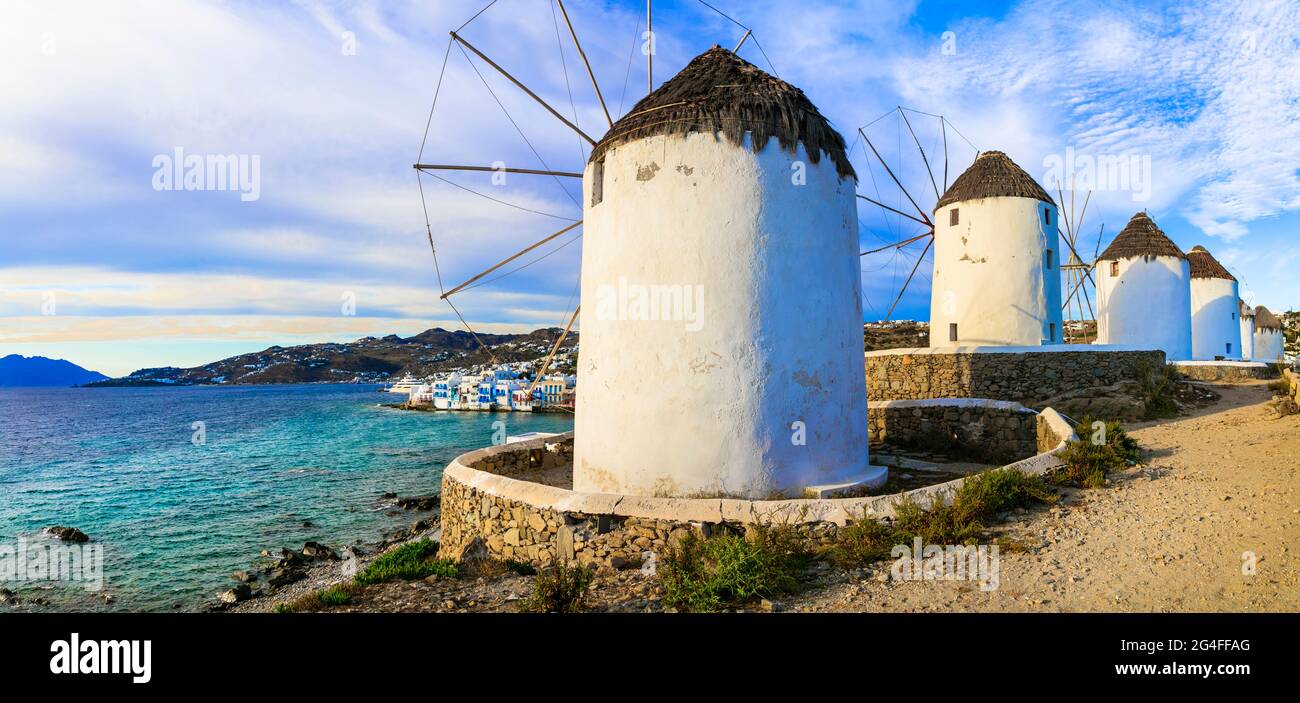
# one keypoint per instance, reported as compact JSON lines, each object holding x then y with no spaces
{"x":446,"y":391}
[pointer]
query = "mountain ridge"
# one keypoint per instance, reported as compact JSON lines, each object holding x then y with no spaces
{"x":18,"y":371}
{"x":366,"y":360}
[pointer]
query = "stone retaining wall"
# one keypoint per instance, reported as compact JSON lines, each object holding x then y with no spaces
{"x":994,"y":429}
{"x":508,"y":517}
{"x":1027,"y":375}
{"x":1225,"y":371}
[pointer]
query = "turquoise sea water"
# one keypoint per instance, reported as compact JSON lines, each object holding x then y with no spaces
{"x":175,"y":517}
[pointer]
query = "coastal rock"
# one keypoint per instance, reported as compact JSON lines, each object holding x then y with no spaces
{"x":429,"y":502}
{"x":423,"y":525}
{"x":282,"y":577}
{"x":316,"y":550}
{"x":67,"y":534}
{"x":244,"y":576}
{"x":236,"y":594}
{"x":8,"y":597}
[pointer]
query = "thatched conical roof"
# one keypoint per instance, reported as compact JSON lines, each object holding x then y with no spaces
{"x":1141,"y":237}
{"x":1265,"y":320}
{"x":721,"y":93}
{"x":1204,"y":265}
{"x":993,"y":175}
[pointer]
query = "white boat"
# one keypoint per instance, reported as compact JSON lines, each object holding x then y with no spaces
{"x":404,"y":384}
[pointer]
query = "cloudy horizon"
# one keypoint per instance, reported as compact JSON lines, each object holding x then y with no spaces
{"x":110,"y":262}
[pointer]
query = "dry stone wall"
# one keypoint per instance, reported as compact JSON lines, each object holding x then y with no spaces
{"x":997,"y":430}
{"x":1027,"y":377}
{"x":1226,"y":372}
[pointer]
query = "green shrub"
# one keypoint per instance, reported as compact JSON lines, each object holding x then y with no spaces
{"x":960,"y":521}
{"x":561,"y":588}
{"x":726,"y":570}
{"x":1157,"y":385}
{"x":340,"y":594}
{"x":414,"y":560}
{"x":1089,"y":462}
{"x":980,"y":497}
{"x":522,"y":568}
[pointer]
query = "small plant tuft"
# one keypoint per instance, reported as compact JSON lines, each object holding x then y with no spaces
{"x":340,"y":594}
{"x":959,"y":521}
{"x":727,"y":570}
{"x":562,"y":588}
{"x":1157,"y":385}
{"x":414,"y":560}
{"x":1089,"y":462}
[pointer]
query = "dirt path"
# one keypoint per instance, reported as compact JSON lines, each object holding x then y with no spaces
{"x":1168,"y":536}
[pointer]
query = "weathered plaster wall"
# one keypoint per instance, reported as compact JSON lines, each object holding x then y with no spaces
{"x":1149,"y":304}
{"x":996,"y":273}
{"x":1023,"y":375}
{"x":1268,"y":345}
{"x":1215,"y":308}
{"x":1247,"y":323}
{"x":765,"y":244}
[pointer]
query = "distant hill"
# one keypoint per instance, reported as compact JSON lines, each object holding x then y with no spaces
{"x":367,"y":360}
{"x":30,"y":371}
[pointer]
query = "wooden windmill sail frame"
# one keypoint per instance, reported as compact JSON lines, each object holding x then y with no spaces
{"x":1077,"y":270}
{"x":921,"y":216}
{"x":421,"y":168}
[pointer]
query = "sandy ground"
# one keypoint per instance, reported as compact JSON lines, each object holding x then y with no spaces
{"x":1165,"y":537}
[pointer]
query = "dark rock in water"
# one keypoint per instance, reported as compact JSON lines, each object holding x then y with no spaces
{"x":315,"y":550}
{"x":422,"y":525}
{"x":8,"y":597}
{"x":236,"y":594}
{"x":283,"y":577}
{"x":308,"y":523}
{"x":244,"y":576}
{"x":67,"y":534}
{"x":429,"y":502}
{"x":388,"y":496}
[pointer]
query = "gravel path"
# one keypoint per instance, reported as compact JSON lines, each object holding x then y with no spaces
{"x":1166,"y":537}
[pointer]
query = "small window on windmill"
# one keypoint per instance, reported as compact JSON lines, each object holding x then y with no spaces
{"x":1229,"y":348}
{"x":1051,"y":331}
{"x":1114,"y":269}
{"x":952,"y":331}
{"x":597,"y":182}
{"x":1047,"y":216}
{"x":1047,"y":259}
{"x":953,"y":217}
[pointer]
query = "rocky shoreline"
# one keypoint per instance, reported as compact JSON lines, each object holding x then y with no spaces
{"x":281,"y":574}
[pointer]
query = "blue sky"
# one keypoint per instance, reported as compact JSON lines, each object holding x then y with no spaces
{"x":99,"y":267}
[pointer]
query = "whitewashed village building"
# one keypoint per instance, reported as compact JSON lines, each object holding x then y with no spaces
{"x":1216,"y":329}
{"x":1144,"y":291}
{"x":997,"y":277}
{"x":1247,"y":321}
{"x":1269,"y":342}
{"x":725,"y":184}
